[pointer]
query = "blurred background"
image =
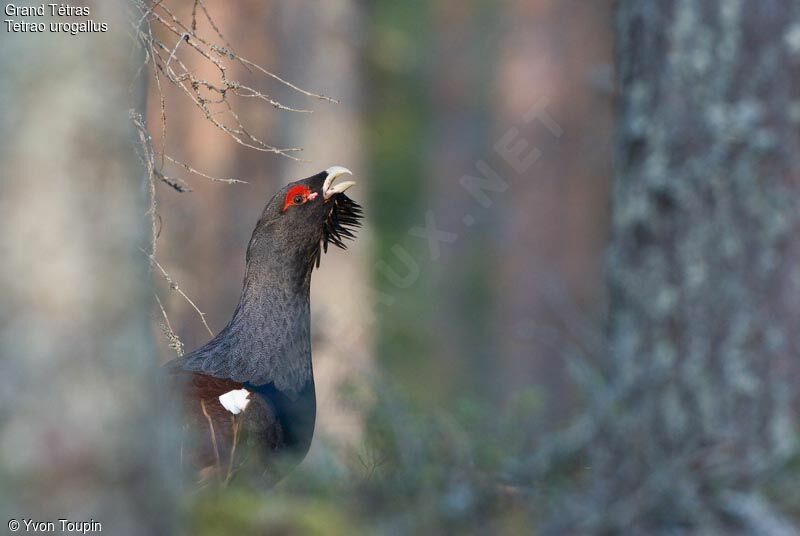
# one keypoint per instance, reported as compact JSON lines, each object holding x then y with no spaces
{"x":499,"y":352}
{"x":426,"y":93}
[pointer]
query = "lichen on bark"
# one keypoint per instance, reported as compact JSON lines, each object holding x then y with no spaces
{"x":703,"y":272}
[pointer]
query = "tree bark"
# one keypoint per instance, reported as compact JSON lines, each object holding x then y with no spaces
{"x":318,"y":49}
{"x":81,"y":434}
{"x":555,"y":61}
{"x":703,"y":272}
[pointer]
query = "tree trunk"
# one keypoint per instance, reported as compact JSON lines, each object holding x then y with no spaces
{"x":553,"y":94}
{"x":80,"y":432}
{"x":317,"y":49}
{"x":703,"y":270}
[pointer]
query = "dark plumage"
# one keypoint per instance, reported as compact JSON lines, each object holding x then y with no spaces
{"x":266,"y":347}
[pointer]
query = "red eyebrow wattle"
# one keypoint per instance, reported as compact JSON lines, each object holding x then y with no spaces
{"x":293,"y":191}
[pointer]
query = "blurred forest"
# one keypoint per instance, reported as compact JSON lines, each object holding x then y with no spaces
{"x":570,"y":310}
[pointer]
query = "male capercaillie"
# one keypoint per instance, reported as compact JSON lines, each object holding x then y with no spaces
{"x":249,"y":392}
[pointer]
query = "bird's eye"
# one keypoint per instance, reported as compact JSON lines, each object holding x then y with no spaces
{"x":297,"y":195}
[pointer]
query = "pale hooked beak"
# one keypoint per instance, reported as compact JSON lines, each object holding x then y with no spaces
{"x":328,"y":188}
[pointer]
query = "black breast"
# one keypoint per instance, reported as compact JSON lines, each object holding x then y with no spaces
{"x":280,"y":427}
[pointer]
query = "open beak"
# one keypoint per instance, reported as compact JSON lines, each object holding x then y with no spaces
{"x":328,"y":188}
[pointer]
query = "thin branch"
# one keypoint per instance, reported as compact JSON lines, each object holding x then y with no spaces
{"x":167,"y":61}
{"x":190,"y":169}
{"x":213,"y":24}
{"x":229,"y":53}
{"x":213,"y":436}
{"x":174,"y":341}
{"x":174,"y":286}
{"x":181,"y":39}
{"x":278,"y":78}
{"x":235,"y":425}
{"x":179,"y":185}
{"x":194,"y":16}
{"x":146,"y":156}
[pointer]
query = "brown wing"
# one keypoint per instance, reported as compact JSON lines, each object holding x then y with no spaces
{"x":213,"y":431}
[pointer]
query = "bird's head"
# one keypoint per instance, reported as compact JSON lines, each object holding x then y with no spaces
{"x":304,"y":217}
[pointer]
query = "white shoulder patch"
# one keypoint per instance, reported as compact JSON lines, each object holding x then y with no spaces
{"x":235,"y":401}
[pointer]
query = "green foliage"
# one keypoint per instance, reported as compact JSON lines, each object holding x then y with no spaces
{"x":238,"y":511}
{"x":417,"y":471}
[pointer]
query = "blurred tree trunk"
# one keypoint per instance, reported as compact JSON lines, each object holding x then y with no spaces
{"x":205,"y":232}
{"x":80,"y":432}
{"x":459,"y":116}
{"x":552,"y":92}
{"x":498,"y":281}
{"x":704,"y":270}
{"x":318,"y":47}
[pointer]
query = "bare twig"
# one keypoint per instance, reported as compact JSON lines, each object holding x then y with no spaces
{"x":179,"y":185}
{"x":235,"y":425}
{"x":206,"y":94}
{"x":174,"y":341}
{"x":190,"y":169}
{"x":174,"y":286}
{"x":146,"y":156}
{"x":213,"y":436}
{"x":213,"y":25}
{"x":249,"y":63}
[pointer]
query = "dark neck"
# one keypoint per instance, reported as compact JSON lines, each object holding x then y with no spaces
{"x":268,"y":340}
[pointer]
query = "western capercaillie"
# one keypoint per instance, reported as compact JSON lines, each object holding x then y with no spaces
{"x":249,"y":392}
